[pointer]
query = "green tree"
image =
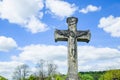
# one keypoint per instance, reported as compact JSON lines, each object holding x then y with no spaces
{"x":86,"y":77}
{"x":32,"y":77}
{"x":79,"y":75}
{"x":2,"y":78}
{"x":110,"y":75}
{"x":60,"y":77}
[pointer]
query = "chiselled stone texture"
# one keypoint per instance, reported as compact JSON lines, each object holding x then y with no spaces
{"x":72,"y":36}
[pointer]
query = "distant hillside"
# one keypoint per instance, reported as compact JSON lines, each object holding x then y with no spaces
{"x":101,"y":75}
{"x":95,"y":75}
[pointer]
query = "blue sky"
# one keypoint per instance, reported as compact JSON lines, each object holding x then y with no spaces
{"x":27,"y":33}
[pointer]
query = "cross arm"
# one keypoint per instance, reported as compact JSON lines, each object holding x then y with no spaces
{"x":83,"y":36}
{"x":61,"y":35}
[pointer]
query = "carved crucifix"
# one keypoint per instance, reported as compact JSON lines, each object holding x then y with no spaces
{"x":72,"y":36}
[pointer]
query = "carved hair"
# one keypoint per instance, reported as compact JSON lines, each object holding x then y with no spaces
{"x":72,"y":20}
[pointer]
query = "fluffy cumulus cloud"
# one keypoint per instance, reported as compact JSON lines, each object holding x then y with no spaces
{"x":22,"y":12}
{"x":60,"y":8}
{"x":35,"y":25}
{"x":29,"y":13}
{"x":90,"y":58}
{"x":36,"y":52}
{"x":94,"y":59}
{"x":110,"y":25}
{"x":89,"y":8}
{"x":7,"y":43}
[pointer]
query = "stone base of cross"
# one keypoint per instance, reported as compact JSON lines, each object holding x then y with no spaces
{"x":72,"y":36}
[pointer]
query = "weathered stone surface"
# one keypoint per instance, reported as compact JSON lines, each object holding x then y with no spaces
{"x":72,"y":36}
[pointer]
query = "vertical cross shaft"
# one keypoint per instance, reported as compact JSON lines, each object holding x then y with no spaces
{"x":72,"y":50}
{"x":72,"y":36}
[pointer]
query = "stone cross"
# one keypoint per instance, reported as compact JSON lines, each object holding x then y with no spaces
{"x":72,"y":36}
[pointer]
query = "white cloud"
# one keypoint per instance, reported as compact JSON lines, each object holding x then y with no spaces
{"x":35,"y":25}
{"x":7,"y":43}
{"x":29,"y":13}
{"x":110,"y":25}
{"x":21,"y":12}
{"x":97,"y":53}
{"x":36,"y":52}
{"x":60,"y":8}
{"x":90,"y":8}
{"x":92,"y":58}
{"x":87,"y":56}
